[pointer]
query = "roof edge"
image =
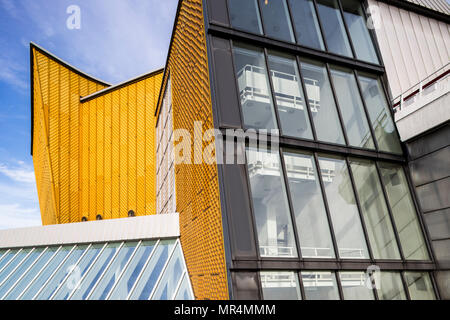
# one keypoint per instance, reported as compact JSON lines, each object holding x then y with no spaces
{"x":121,"y":85}
{"x":419,"y":9}
{"x":67,"y":65}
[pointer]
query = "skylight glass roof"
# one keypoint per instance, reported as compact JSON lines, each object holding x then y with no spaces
{"x":131,"y":270}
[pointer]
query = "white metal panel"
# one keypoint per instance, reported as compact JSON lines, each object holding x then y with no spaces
{"x":430,"y":42}
{"x":135,"y":228}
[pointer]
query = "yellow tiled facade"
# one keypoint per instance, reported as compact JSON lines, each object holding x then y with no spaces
{"x":196,"y":185}
{"x":95,"y":157}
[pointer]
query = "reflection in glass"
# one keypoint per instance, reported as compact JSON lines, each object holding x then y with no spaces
{"x":83,"y":289}
{"x":270,"y":205}
{"x":254,"y":90}
{"x":171,"y":277}
{"x":63,"y":271}
{"x":289,"y":96}
{"x":278,"y":285}
{"x":320,"y":285}
{"x":31,"y":274}
{"x":379,"y":114}
{"x":352,"y":109}
{"x":7,"y":258}
{"x":375,"y":211}
{"x":245,"y":15}
{"x":403,"y":212}
{"x":132,"y":271}
{"x":359,"y":33}
{"x":343,"y":209}
{"x":152,"y":271}
{"x":277,"y":23}
{"x":390,"y":286}
{"x":112,"y":275}
{"x":419,"y":286}
{"x":18,"y":272}
{"x":46,"y":273}
{"x":18,"y":258}
{"x":78,"y":272}
{"x":333,"y":27}
{"x":310,"y":215}
{"x":321,"y":102}
{"x":355,"y":286}
{"x":306,"y":25}
{"x":184,"y":292}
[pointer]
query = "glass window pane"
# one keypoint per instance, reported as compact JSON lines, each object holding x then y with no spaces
{"x":111,"y":276}
{"x":404,"y":212}
{"x":343,"y":209}
{"x":306,"y":25}
{"x":333,"y":27}
{"x":270,"y":204}
{"x":46,"y":273}
{"x":420,"y":286}
{"x":289,"y":96}
{"x":443,"y":282}
{"x":379,"y":114}
{"x":13,"y":264}
{"x":245,"y":15}
{"x":185,"y":293}
{"x":61,"y":273}
{"x":73,"y":281}
{"x":132,"y":271}
{"x":280,"y":285}
{"x":375,"y":211}
{"x":83,"y":289}
{"x":7,"y":258}
{"x":153,"y":270}
{"x":355,"y":286}
{"x":31,"y":274}
{"x":352,"y":109}
{"x":310,"y":215}
{"x":321,"y":102}
{"x":438,"y":224}
{"x":276,"y":20}
{"x":390,"y":286}
{"x":19,"y":271}
{"x":357,"y":27}
{"x":171,"y":277}
{"x":320,"y":285}
{"x":254,"y":88}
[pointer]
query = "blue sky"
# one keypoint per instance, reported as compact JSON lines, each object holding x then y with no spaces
{"x":118,"y":40}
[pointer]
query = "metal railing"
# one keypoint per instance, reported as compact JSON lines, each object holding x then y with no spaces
{"x":424,"y":87}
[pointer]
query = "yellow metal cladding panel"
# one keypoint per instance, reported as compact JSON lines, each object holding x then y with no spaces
{"x":58,"y":97}
{"x":115,"y":140}
{"x":197,"y":190}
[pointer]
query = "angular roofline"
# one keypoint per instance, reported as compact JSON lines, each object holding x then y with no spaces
{"x":59,"y":61}
{"x":67,"y":65}
{"x":423,"y":10}
{"x":121,"y":85}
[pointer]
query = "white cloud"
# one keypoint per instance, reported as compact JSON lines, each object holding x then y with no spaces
{"x":19,"y":173}
{"x":16,"y":216}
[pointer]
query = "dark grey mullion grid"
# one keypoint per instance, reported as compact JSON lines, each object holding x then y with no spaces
{"x":322,"y":33}
{"x":271,"y":88}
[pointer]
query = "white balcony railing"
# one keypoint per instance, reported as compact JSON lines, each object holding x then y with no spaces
{"x":253,"y":84}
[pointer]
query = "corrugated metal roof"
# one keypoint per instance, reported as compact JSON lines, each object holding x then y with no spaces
{"x":437,"y":5}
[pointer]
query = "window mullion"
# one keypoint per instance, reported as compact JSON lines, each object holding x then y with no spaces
{"x":322,"y":33}
{"x":366,"y":112}
{"x":305,"y":94}
{"x":347,"y":31}
{"x":358,"y":204}
{"x":336,"y":103}
{"x":386,"y":199}
{"x":272,"y":94}
{"x":290,"y":203}
{"x":327,"y":209}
